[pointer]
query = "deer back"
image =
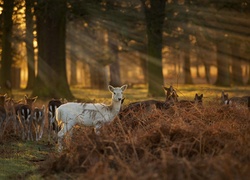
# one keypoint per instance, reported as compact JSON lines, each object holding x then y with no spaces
{"x":52,"y":105}
{"x":39,"y":115}
{"x":24,"y":113}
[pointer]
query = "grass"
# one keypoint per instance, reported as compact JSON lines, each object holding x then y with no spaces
{"x":18,"y":158}
{"x":12,"y":166}
{"x":211,"y":142}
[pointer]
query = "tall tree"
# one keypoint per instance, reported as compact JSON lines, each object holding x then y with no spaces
{"x":247,"y":50}
{"x":237,"y":74}
{"x":51,"y":80}
{"x":98,"y":76}
{"x":73,"y":71}
{"x":29,"y":42}
{"x":115,"y":77}
{"x":154,"y":14}
{"x":6,"y":59}
{"x":223,"y":73}
{"x":187,"y":43}
{"x":186,"y":68}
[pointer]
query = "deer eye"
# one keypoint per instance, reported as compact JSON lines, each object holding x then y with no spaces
{"x":114,"y":93}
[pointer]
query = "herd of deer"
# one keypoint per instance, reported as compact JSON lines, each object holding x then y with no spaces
{"x":62,"y":117}
{"x":25,"y":118}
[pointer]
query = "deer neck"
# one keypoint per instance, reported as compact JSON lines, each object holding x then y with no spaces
{"x":115,"y":106}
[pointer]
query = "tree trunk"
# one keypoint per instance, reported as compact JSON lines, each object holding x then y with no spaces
{"x":29,"y":43}
{"x":248,"y":82}
{"x":6,"y":59}
{"x":207,"y":72}
{"x":98,"y":77}
{"x":186,"y":68}
{"x":143,"y":64}
{"x":51,"y":80}
{"x":197,"y":69}
{"x":223,"y":75}
{"x":237,"y":76}
{"x":73,"y":70}
{"x":115,"y":77}
{"x":16,"y":77}
{"x":155,"y":14}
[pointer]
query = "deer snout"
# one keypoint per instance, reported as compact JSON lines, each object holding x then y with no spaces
{"x":119,"y":99}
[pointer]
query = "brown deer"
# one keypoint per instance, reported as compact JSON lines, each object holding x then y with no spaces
{"x":197,"y":101}
{"x":233,"y":100}
{"x":148,"y":105}
{"x":39,"y":121}
{"x":52,"y":123}
{"x":24,"y":114}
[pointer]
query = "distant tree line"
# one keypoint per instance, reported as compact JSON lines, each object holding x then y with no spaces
{"x":109,"y":27}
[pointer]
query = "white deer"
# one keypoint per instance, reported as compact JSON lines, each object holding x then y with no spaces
{"x":88,"y":114}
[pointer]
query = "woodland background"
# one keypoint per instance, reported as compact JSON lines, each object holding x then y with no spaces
{"x":66,"y":48}
{"x":48,"y":46}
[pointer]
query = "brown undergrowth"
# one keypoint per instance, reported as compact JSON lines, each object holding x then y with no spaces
{"x":209,"y":142}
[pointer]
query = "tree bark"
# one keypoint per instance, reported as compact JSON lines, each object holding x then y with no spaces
{"x":115,"y":78}
{"x":143,"y":64}
{"x":73,"y":70}
{"x":98,"y":76}
{"x":114,"y":68}
{"x":186,"y":68}
{"x":207,"y":72}
{"x":197,"y":69}
{"x":29,"y":43}
{"x":223,"y":75}
{"x":248,"y":81}
{"x":6,"y":59}
{"x":155,"y":14}
{"x":51,"y":80}
{"x":237,"y":75}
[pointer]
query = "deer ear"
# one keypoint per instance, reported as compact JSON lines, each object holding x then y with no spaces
{"x":34,"y":98}
{"x":25,"y":97}
{"x":171,"y":88}
{"x":165,"y":88}
{"x":124,"y":87}
{"x":111,"y":88}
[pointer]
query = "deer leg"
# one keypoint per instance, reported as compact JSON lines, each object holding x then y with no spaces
{"x":36,"y":131}
{"x":97,"y":128}
{"x":30,"y":135}
{"x":41,"y":131}
{"x":49,"y":131}
{"x":65,"y":128}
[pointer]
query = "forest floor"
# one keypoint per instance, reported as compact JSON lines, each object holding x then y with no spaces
{"x":209,"y":142}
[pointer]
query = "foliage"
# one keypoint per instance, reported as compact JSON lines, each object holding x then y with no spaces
{"x":209,"y":142}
